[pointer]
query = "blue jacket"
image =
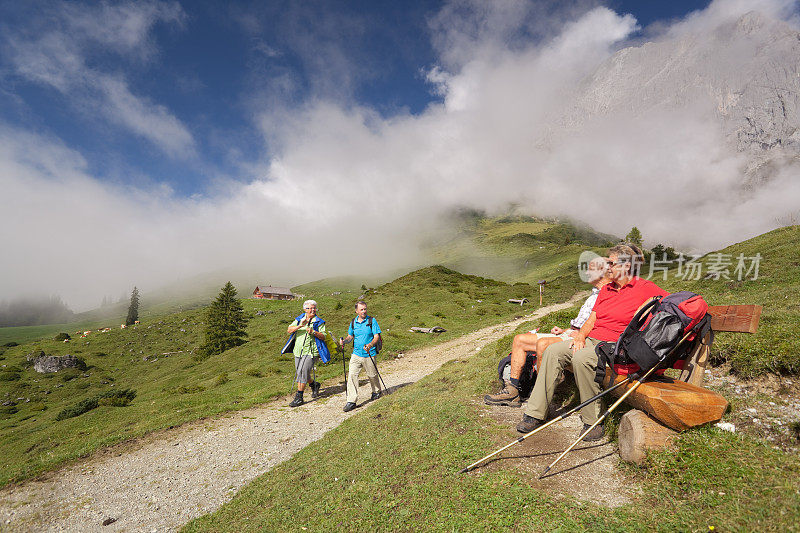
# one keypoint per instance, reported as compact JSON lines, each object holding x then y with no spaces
{"x":322,"y":348}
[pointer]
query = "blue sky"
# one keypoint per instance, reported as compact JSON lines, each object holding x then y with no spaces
{"x":150,"y":141}
{"x":203,"y":68}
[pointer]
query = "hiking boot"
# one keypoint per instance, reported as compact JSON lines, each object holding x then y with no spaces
{"x":298,"y":400}
{"x":595,"y":434}
{"x":507,"y":396}
{"x":349,"y":406}
{"x":528,"y":424}
{"x":375,"y":395}
{"x":315,"y":386}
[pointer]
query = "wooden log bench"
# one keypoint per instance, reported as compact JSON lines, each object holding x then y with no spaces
{"x":664,"y":406}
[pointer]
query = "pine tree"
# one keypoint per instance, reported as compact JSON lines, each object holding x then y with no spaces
{"x":133,"y":308}
{"x":226,"y":323}
{"x":634,"y":237}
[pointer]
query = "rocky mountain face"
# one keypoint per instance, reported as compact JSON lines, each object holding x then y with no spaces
{"x":746,"y":73}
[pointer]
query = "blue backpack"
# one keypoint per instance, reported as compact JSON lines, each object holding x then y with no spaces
{"x":379,"y":345}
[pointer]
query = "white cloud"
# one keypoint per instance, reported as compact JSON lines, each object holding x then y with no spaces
{"x":726,"y":11}
{"x":149,"y":120}
{"x":57,"y":55}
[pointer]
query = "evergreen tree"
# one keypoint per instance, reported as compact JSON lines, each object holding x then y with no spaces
{"x":634,"y":237}
{"x":226,"y":323}
{"x":133,"y":308}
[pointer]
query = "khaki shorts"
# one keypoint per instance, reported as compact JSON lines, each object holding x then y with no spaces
{"x":564,"y":336}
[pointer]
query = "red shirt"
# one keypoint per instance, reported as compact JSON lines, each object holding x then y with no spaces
{"x":615,"y":307}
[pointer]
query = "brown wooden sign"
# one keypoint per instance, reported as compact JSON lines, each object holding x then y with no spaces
{"x":737,"y":318}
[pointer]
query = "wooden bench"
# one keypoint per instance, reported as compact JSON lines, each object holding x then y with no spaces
{"x":666,"y":405}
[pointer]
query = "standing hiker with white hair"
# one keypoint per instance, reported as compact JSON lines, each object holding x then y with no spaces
{"x":308,"y":330}
{"x":365,"y":333}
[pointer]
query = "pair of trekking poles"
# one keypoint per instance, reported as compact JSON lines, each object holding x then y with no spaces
{"x":616,"y":404}
{"x":340,"y":349}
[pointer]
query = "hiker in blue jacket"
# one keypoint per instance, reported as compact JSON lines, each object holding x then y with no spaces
{"x":307,"y":329}
{"x":365,"y":334}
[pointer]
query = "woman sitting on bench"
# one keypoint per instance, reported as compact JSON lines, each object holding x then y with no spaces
{"x":597,"y":275}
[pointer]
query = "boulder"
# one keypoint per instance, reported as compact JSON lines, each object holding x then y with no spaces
{"x":46,"y":364}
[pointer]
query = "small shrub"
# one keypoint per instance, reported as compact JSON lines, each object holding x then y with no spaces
{"x":256,"y":373}
{"x":338,"y":306}
{"x":794,"y":427}
{"x":439,"y":314}
{"x":38,"y":406}
{"x":83,"y":385}
{"x":222,"y":379}
{"x":127,"y":394}
{"x":201,"y":356}
{"x":272,"y":370}
{"x":9,"y":376}
{"x":99,"y":354}
{"x":116,"y":398}
{"x":8,"y":409}
{"x":11,"y":344}
{"x":61,"y":337}
{"x":84,"y":406}
{"x":114,"y":401}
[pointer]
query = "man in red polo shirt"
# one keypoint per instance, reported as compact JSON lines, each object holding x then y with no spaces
{"x":616,"y":304}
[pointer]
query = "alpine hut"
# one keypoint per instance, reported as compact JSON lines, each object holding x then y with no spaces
{"x":273,"y":293}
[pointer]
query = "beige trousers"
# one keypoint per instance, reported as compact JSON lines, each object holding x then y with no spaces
{"x":555,"y":358}
{"x":356,"y":364}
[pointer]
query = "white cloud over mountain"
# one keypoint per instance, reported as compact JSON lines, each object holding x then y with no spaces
{"x":539,"y":109}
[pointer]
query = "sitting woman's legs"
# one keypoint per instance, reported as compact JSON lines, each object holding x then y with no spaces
{"x":524,"y":342}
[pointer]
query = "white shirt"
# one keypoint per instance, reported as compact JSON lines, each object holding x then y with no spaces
{"x":586,"y":310}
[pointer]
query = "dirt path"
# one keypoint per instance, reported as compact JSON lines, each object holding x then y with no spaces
{"x":162,"y":481}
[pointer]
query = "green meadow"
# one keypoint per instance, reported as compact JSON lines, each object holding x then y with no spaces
{"x":156,"y":360}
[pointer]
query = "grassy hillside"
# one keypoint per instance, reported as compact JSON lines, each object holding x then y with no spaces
{"x":155,"y":360}
{"x":516,"y":248}
{"x":395,"y":466}
{"x":776,"y":345}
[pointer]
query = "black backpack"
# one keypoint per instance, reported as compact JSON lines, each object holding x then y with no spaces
{"x":379,"y":345}
{"x":657,"y":333}
{"x":527,"y":377}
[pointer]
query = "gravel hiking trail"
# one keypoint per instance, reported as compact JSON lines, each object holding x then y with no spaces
{"x":165,"y":479}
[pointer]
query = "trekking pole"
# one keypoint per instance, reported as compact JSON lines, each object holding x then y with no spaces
{"x":375,"y":363}
{"x":553,"y":421}
{"x":340,"y":349}
{"x":616,"y":404}
{"x":309,"y":354}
